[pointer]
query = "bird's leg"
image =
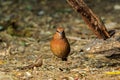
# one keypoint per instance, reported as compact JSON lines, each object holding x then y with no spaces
{"x":64,"y":59}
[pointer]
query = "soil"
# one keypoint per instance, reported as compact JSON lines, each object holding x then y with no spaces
{"x":26,"y":28}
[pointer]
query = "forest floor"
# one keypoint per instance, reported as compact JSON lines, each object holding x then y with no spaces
{"x":26,"y":28}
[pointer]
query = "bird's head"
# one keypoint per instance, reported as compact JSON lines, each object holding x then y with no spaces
{"x":59,"y":33}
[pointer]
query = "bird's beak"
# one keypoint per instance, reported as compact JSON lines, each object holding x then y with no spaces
{"x":61,"y":33}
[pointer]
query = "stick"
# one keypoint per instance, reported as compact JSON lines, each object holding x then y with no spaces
{"x":90,"y":18}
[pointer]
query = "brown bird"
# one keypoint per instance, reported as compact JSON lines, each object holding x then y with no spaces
{"x":59,"y":44}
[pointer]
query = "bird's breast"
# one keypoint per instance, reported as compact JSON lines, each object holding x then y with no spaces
{"x":60,"y":47}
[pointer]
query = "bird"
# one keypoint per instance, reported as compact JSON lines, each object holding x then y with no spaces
{"x":59,"y":44}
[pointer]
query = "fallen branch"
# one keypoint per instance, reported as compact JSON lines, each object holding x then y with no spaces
{"x":91,"y":19}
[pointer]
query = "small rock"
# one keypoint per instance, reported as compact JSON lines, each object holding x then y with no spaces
{"x":40,"y":13}
{"x":88,"y":48}
{"x":27,"y":75}
{"x":117,"y":7}
{"x":1,"y":28}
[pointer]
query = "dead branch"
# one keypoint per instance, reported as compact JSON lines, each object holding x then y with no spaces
{"x":90,"y":18}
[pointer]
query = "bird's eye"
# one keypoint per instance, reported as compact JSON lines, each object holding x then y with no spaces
{"x":57,"y":31}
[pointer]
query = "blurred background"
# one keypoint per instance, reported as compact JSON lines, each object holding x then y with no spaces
{"x":44,"y":15}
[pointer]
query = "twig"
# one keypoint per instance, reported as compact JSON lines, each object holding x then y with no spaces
{"x":37,"y":63}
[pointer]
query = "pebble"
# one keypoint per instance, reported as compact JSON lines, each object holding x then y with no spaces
{"x":27,"y":75}
{"x":1,"y":28}
{"x":40,"y":13}
{"x":117,"y":7}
